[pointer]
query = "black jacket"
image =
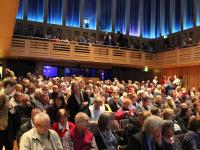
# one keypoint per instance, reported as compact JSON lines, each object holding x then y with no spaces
{"x":74,"y":107}
{"x":99,"y":141}
{"x":139,"y":142}
{"x":113,"y":106}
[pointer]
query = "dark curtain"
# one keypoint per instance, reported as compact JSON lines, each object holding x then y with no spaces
{"x":55,"y":12}
{"x":157,"y":26}
{"x":188,"y":14}
{"x":146,"y":27}
{"x":134,"y":28}
{"x":165,"y":30}
{"x":36,"y":10}
{"x":90,"y":14}
{"x":105,"y":15}
{"x":176,"y":22}
{"x":20,"y":12}
{"x":73,"y":13}
{"x":198,"y":13}
{"x":120,"y":24}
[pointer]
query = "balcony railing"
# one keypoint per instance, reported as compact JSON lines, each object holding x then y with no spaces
{"x":74,"y":51}
{"x":92,"y":53}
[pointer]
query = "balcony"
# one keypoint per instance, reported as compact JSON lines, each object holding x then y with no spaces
{"x":43,"y":49}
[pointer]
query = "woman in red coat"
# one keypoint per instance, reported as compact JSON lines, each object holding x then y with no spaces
{"x":63,"y":125}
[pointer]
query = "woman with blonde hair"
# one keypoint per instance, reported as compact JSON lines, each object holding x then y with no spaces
{"x":170,"y":103}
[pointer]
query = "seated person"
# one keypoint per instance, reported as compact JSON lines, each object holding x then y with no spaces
{"x":126,"y":110}
{"x":63,"y":125}
{"x":79,"y":138}
{"x":183,"y":117}
{"x":41,"y":136}
{"x":23,"y":110}
{"x":169,"y":141}
{"x":104,"y":137}
{"x":196,"y":109}
{"x":52,"y":110}
{"x":95,"y":110}
{"x":149,"y":137}
{"x":145,"y":105}
{"x":168,"y":114}
{"x":192,"y":137}
{"x":115,"y":103}
{"x":29,"y":124}
{"x":135,"y":124}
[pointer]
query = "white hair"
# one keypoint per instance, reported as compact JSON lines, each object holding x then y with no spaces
{"x":40,"y":117}
{"x":152,"y":122}
{"x":81,"y":117}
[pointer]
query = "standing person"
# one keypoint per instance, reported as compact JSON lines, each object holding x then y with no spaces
{"x":6,"y":116}
{"x":78,"y":101}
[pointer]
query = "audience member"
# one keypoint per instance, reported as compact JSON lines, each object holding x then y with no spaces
{"x":63,"y":125}
{"x":41,"y":136}
{"x":149,"y":137}
{"x":192,"y":137}
{"x":79,"y":138}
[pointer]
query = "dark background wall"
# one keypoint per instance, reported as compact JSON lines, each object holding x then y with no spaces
{"x":133,"y":74}
{"x":21,"y":67}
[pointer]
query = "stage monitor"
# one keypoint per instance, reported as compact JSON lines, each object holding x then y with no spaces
{"x":50,"y":71}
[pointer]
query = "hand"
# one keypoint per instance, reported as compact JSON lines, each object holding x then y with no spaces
{"x":115,"y":125}
{"x":84,"y":104}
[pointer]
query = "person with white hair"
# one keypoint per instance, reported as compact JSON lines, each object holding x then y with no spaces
{"x":79,"y":138}
{"x":41,"y":137}
{"x":149,"y":138}
{"x":95,"y":110}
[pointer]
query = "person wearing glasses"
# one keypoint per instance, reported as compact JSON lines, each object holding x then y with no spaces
{"x":41,"y":137}
{"x":79,"y":138}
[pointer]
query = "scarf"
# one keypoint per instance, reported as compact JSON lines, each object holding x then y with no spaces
{"x":109,"y":139}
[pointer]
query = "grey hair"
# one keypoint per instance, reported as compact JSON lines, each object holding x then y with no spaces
{"x":81,"y":117}
{"x":40,"y":117}
{"x":152,"y":122}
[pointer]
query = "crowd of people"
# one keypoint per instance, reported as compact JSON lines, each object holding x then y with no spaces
{"x":54,"y":113}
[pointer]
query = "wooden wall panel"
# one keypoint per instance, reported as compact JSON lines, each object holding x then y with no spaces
{"x":191,"y":75}
{"x":8,"y":11}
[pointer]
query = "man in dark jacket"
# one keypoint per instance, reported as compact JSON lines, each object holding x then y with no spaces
{"x":77,"y":102}
{"x":149,"y":138}
{"x":28,"y":125}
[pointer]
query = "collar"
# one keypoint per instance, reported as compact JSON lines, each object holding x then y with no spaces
{"x":32,"y":124}
{"x":36,"y":136}
{"x":61,"y":127}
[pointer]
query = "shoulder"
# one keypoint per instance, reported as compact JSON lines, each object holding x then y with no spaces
{"x":134,"y":142}
{"x":55,"y":126}
{"x":53,"y":133}
{"x":26,"y":125}
{"x":29,"y":133}
{"x":71,"y":124}
{"x":189,"y":135}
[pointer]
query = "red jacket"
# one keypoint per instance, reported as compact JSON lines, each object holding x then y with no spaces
{"x":81,"y":142}
{"x":61,"y":132}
